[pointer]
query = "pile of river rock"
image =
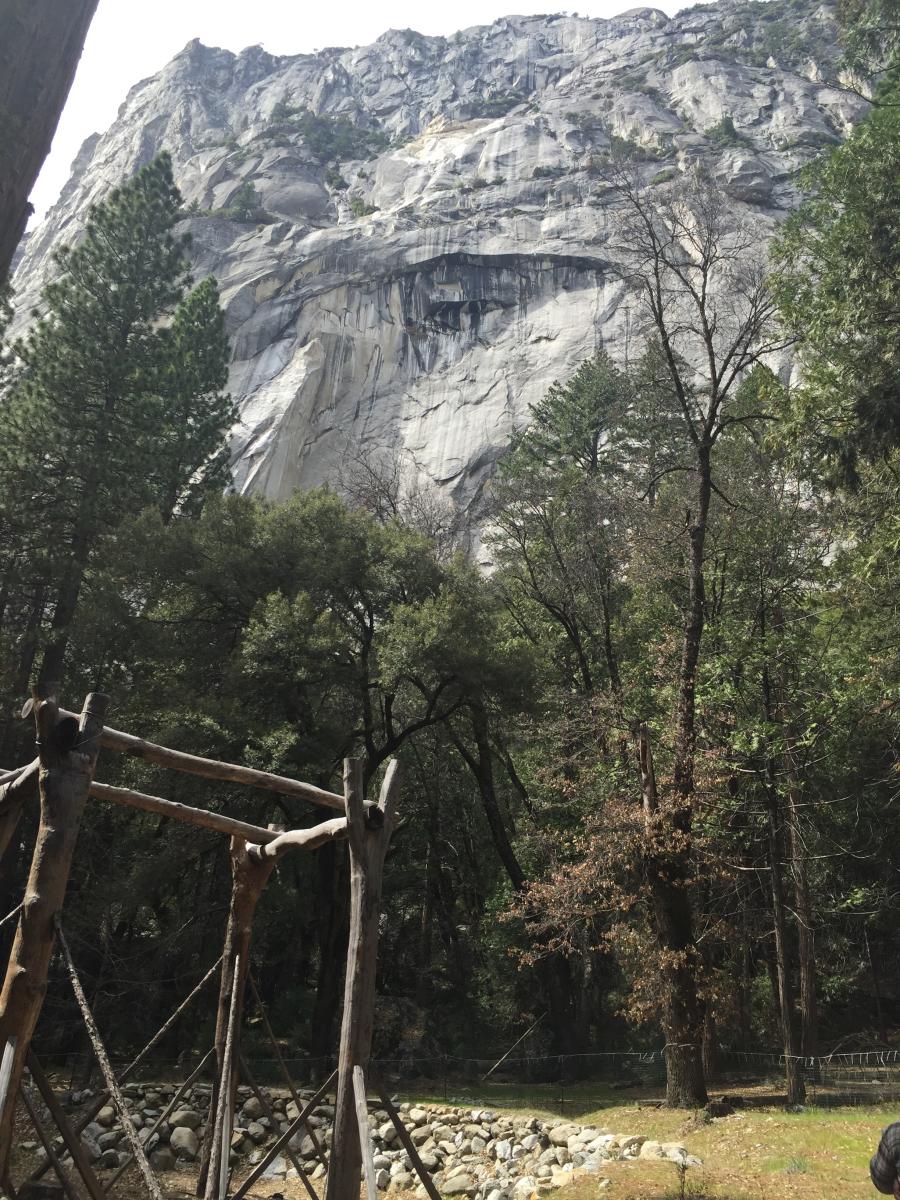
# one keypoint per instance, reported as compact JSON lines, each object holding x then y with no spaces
{"x":468,"y":1152}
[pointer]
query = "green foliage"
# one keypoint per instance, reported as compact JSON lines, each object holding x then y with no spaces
{"x":838,"y":287}
{"x":360,"y":208}
{"x":723,"y":133}
{"x":335,"y":180}
{"x":327,"y":139}
{"x":118,"y":404}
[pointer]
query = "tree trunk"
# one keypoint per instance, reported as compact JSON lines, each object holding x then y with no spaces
{"x":248,"y":879}
{"x":806,"y":949}
{"x":65,"y":777}
{"x":368,"y":847}
{"x":670,"y":864}
{"x":41,"y":45}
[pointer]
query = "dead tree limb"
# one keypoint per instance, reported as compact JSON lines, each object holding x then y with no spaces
{"x":100,"y":1054}
{"x":68,"y":754}
{"x":367,"y":852}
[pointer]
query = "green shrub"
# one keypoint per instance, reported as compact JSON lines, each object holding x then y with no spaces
{"x":359,"y":208}
{"x":723,"y":133}
{"x":335,"y":180}
{"x":664,"y":176}
{"x":327,"y":139}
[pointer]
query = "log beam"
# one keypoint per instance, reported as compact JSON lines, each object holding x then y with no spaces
{"x":210,"y":768}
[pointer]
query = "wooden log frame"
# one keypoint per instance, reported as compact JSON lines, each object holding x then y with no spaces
{"x":68,"y":753}
{"x":368,"y":848}
{"x":64,"y":776}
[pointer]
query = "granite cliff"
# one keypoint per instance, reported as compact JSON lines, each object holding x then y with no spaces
{"x":409,"y":236}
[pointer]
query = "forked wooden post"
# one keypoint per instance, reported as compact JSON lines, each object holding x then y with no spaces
{"x":249,"y":877}
{"x":68,"y":753}
{"x":368,"y":846}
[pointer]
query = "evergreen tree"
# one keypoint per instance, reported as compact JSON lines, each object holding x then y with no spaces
{"x":118,"y":404}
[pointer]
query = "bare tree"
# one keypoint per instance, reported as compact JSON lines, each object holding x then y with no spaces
{"x":390,"y":487}
{"x":697,"y":272}
{"x":40,"y":45}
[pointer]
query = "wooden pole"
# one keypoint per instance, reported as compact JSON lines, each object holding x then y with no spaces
{"x":367,"y":851}
{"x":362,"y":1125}
{"x":98,"y":1103}
{"x":71,"y":1140}
{"x":217,"y":1168}
{"x":407,"y":1142}
{"x":267,"y":1109}
{"x":286,"y":1075}
{"x":68,"y":754}
{"x":115,"y":1094}
{"x":210,"y":768}
{"x":183,"y":812}
{"x":275,"y":1149}
{"x":248,"y":879}
{"x":163,"y":1116}
{"x":46,"y":1142}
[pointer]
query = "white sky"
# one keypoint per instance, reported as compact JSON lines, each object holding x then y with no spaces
{"x":129,"y":41}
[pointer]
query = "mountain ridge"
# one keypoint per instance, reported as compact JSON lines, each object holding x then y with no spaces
{"x":409,"y":235}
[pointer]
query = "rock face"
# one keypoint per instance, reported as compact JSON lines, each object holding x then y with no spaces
{"x":423,"y":253}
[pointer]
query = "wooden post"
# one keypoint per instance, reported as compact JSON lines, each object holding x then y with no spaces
{"x":249,"y":878}
{"x":68,"y":754}
{"x":368,"y":847}
{"x":365,"y":1140}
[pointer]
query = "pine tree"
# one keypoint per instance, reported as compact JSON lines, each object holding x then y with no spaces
{"x":118,"y":405}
